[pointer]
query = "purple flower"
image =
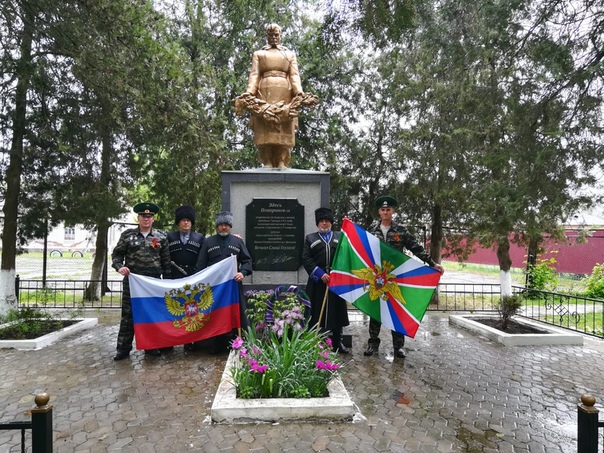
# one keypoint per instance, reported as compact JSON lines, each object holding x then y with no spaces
{"x":327,"y":365}
{"x":237,"y":343}
{"x":257,"y":368}
{"x":328,"y":341}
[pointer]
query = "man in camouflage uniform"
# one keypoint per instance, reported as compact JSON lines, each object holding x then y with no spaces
{"x":397,"y":236}
{"x":142,"y":251}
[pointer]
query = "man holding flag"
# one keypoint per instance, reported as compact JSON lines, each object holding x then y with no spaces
{"x":397,"y":236}
{"x":144,"y":251}
{"x":327,"y":309}
{"x":219,"y":247}
{"x":373,"y":273}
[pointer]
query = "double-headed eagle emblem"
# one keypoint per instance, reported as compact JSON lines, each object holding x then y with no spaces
{"x":192,"y":301}
{"x":381,"y":282}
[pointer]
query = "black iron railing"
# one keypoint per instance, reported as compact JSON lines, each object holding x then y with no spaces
{"x":466,"y":297}
{"x":573,"y":312}
{"x":69,"y":293}
{"x":40,"y":426}
{"x":588,"y":426}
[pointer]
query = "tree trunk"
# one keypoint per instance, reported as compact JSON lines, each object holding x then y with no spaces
{"x":93,"y":291}
{"x":13,"y":175}
{"x":436,"y":234}
{"x":531,"y":259}
{"x":505,"y":264}
{"x":436,"y":243}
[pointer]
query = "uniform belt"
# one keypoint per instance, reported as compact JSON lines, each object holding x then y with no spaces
{"x":275,"y":74}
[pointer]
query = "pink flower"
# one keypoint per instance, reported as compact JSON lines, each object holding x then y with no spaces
{"x":327,"y":365}
{"x":257,"y":368}
{"x":243,"y":353}
{"x":237,"y":343}
{"x":328,"y":341}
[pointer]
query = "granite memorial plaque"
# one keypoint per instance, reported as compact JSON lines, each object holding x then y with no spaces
{"x":274,"y":233}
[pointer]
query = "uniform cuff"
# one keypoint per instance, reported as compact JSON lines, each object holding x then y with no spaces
{"x":317,"y":273}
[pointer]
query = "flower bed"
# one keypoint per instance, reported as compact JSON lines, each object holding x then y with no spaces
{"x":227,"y":408}
{"x":280,"y":356}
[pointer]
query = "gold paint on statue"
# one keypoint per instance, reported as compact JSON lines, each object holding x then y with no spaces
{"x":274,"y":97}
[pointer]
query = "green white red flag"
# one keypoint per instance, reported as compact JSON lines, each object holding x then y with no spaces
{"x":381,"y":281}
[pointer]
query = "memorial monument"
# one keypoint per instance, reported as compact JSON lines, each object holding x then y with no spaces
{"x":274,"y":202}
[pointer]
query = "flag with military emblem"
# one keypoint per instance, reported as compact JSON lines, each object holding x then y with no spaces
{"x":173,"y":312}
{"x":381,"y":281}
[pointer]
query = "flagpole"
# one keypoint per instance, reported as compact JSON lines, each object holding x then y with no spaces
{"x":323,"y":305}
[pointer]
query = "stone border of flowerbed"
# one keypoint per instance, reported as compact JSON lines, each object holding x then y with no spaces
{"x":46,"y":340}
{"x":554,"y":336}
{"x":227,"y":408}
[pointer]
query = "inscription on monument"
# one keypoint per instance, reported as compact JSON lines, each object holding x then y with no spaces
{"x":274,"y":232}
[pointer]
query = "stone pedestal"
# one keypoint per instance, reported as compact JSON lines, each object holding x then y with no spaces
{"x":283,"y":202}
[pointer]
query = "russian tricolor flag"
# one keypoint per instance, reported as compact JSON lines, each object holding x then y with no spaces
{"x":173,"y":312}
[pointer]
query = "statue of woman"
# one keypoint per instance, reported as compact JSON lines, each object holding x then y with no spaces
{"x":273,"y":97}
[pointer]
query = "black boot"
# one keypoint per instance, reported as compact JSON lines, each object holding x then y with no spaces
{"x":121,"y":354}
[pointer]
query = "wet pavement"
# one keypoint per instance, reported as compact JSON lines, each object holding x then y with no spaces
{"x":455,"y":392}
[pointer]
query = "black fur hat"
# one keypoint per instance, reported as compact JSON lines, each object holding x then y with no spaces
{"x":323,"y":214}
{"x":185,"y":212}
{"x":224,"y":217}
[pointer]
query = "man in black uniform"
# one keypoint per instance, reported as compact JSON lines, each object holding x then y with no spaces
{"x":317,"y":256}
{"x":220,"y":246}
{"x":398,"y":237}
{"x":185,"y":246}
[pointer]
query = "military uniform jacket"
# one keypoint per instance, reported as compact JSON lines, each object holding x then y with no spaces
{"x":317,"y":257}
{"x":148,"y":256}
{"x":216,"y":248}
{"x":184,"y":255}
{"x":399,"y":237}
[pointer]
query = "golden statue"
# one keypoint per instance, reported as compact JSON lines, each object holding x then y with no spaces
{"x":274,"y":96}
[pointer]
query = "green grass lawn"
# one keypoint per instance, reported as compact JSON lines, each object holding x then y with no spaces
{"x":567,"y":283}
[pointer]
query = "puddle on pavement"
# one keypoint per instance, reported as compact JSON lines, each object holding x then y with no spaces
{"x":475,"y":442}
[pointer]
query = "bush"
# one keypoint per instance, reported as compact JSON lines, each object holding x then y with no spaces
{"x":594,"y":284}
{"x":543,"y":275}
{"x":508,"y":307}
{"x":27,"y":322}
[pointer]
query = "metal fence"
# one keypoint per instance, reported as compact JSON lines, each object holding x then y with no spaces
{"x":466,"y":297}
{"x":573,"y":312}
{"x":589,"y":426}
{"x":577,"y":313}
{"x":40,"y":426}
{"x":67,"y":293}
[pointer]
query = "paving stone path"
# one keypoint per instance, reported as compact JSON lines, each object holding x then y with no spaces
{"x":455,"y":392}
